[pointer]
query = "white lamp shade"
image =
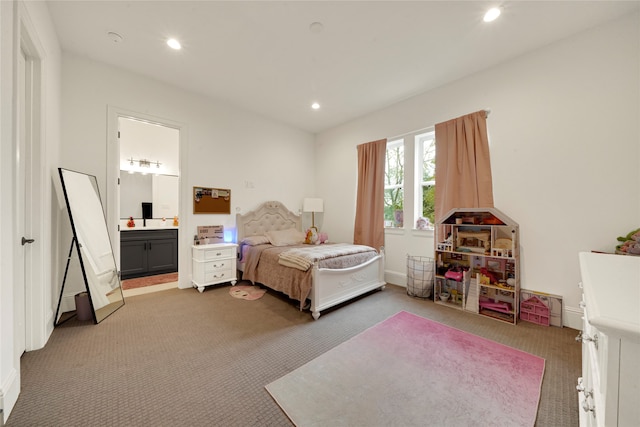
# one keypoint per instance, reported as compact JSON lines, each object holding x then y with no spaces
{"x":313,"y":205}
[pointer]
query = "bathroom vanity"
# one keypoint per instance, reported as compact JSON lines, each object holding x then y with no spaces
{"x":147,"y":252}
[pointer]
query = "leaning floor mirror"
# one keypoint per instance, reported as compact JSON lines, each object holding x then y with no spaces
{"x":92,"y":245}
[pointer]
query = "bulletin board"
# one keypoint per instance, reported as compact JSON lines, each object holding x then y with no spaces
{"x":211,"y":200}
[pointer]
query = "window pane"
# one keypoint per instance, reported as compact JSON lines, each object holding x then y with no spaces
{"x":426,"y":175}
{"x":393,"y":202}
{"x":428,"y":202}
{"x":394,"y":183}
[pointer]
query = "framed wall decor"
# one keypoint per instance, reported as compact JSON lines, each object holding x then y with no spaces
{"x":211,"y":200}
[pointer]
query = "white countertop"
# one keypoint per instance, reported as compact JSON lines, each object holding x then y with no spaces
{"x":140,"y":227}
{"x":611,"y":285}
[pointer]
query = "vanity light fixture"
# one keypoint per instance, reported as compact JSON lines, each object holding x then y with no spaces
{"x":492,"y":14}
{"x":143,"y":163}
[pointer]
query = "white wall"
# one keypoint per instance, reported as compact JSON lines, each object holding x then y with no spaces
{"x":224,"y":147}
{"x":31,"y":19}
{"x":565,"y":146}
{"x":146,"y":141}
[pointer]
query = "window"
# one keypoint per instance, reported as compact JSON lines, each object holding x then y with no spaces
{"x":426,"y":175}
{"x":410,"y":171}
{"x":394,"y":184}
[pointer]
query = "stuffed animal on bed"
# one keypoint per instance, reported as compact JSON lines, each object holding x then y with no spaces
{"x":311,"y":237}
{"x":322,"y":238}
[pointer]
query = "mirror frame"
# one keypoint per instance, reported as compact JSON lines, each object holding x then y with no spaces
{"x":114,"y":298}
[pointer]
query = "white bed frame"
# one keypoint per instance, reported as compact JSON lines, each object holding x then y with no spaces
{"x":330,"y":287}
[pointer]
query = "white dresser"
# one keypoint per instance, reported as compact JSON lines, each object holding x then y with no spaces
{"x":213,"y":263}
{"x":609,"y":389}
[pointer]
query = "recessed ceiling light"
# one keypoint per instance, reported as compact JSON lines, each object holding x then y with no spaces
{"x":316,"y":27}
{"x":492,"y":14}
{"x":315,"y":106}
{"x":174,"y":44}
{"x":115,"y":37}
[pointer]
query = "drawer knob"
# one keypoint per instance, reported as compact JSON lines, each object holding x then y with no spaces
{"x":581,"y":388}
{"x":587,"y":407}
{"x":586,"y":338}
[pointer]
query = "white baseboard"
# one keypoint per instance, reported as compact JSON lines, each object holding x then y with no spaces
{"x":572,"y":315}
{"x":9,"y":391}
{"x":573,"y":318}
{"x":395,"y":278}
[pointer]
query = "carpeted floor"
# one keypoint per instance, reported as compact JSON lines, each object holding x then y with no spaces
{"x":180,"y":357}
{"x":411,"y":371}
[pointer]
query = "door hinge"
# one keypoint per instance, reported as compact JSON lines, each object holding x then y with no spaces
{"x":118,"y":181}
{"x":118,"y":227}
{"x":118,"y":134}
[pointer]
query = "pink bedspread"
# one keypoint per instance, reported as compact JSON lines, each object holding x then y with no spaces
{"x":261,"y":266}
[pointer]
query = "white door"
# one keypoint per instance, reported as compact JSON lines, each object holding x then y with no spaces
{"x":21,"y":248}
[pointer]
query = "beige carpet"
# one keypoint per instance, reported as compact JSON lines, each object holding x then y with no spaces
{"x":183,"y":358}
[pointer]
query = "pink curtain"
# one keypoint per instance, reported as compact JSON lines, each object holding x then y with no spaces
{"x":463,"y":166}
{"x":369,"y":226}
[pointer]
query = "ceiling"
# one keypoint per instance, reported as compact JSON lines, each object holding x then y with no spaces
{"x":262,"y":56}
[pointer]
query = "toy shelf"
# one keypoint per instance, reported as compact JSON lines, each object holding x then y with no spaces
{"x":454,"y":289}
{"x":535,"y":311}
{"x":484,"y":244}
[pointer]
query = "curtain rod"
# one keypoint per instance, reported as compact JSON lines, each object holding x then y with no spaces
{"x":487,"y":111}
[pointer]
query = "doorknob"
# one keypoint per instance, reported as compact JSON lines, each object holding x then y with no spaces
{"x":25,"y":241}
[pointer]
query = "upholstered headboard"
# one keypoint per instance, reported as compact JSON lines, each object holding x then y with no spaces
{"x":266,"y":217}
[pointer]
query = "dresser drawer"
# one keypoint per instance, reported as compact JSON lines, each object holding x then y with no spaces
{"x":208,"y":254}
{"x":219,"y":276}
{"x":214,"y":272}
{"x":203,"y":267}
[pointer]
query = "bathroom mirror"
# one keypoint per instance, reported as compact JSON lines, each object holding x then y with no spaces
{"x":92,"y":244}
{"x":159,"y":190}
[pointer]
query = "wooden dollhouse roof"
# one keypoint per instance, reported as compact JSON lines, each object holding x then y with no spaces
{"x":534,"y":299}
{"x":479,"y":216}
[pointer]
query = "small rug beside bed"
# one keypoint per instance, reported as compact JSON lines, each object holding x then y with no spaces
{"x":247,"y":292}
{"x":411,"y":371}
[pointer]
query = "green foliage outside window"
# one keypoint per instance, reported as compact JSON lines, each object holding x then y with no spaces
{"x":393,"y":181}
{"x":394,"y":178}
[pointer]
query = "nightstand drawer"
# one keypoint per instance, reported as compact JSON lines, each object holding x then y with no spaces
{"x":202,"y":267}
{"x":213,"y":253}
{"x":219,"y":276}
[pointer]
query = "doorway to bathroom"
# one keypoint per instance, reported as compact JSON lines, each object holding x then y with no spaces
{"x":149,"y":195}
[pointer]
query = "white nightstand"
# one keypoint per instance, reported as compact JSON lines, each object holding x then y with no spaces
{"x":214,"y":263}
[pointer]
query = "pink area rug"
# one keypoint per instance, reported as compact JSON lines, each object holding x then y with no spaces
{"x":247,"y":292}
{"x":411,"y":371}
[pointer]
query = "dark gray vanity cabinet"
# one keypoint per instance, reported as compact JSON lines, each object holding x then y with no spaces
{"x":148,"y":252}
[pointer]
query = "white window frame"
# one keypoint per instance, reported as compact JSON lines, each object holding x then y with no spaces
{"x":413,"y":143}
{"x":392,"y":144}
{"x":422,"y":138}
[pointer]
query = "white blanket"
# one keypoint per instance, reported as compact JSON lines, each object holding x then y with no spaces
{"x":303,"y":258}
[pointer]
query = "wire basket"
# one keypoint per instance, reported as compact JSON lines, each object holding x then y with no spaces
{"x":420,"y":273}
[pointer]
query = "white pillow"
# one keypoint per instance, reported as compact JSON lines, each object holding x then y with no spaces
{"x":286,"y":237}
{"x":255,"y":240}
